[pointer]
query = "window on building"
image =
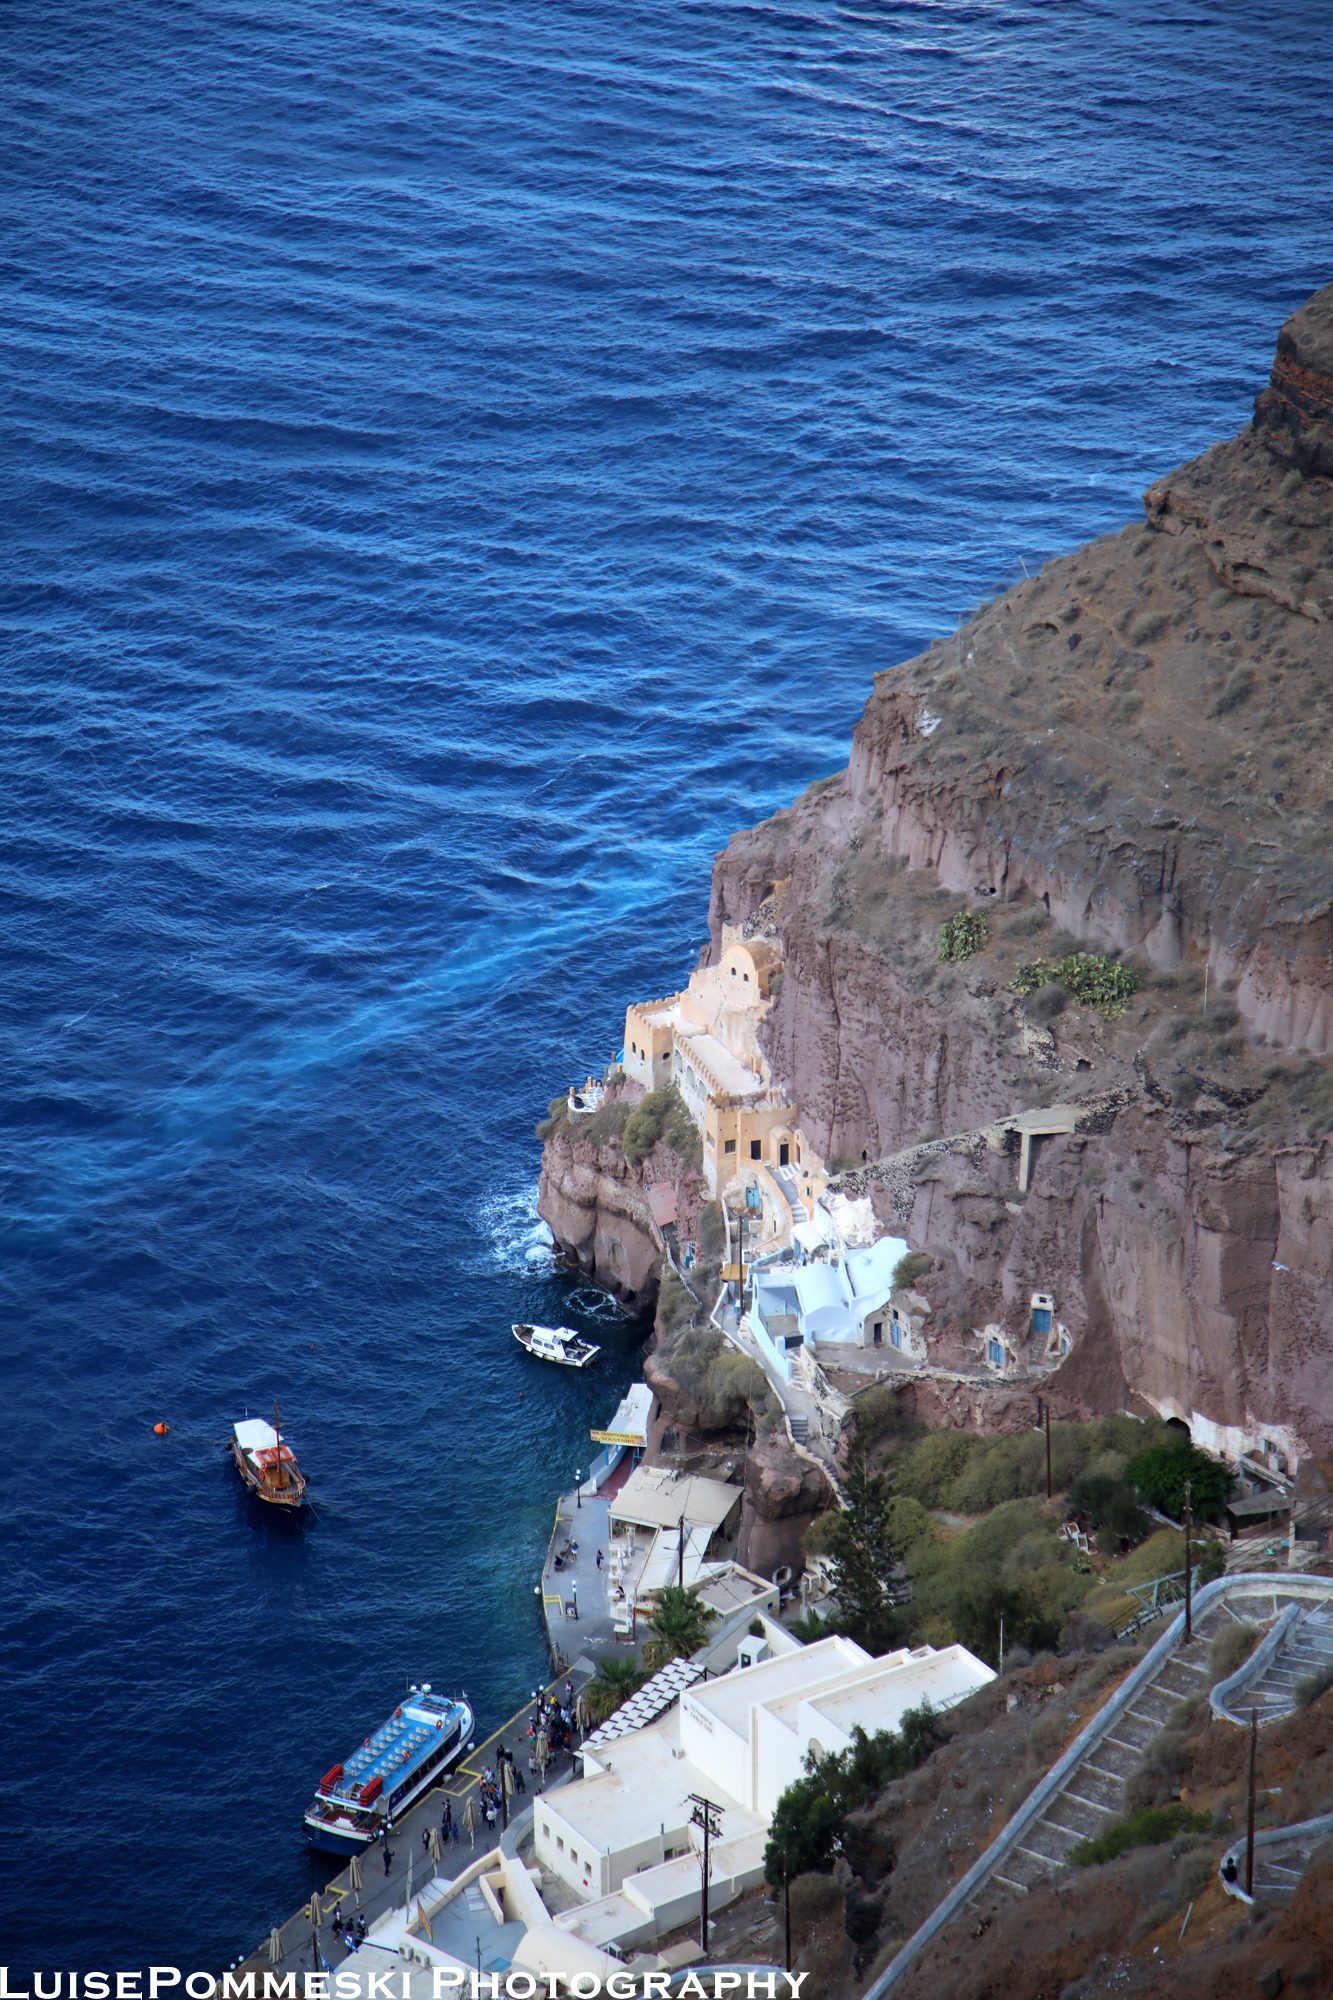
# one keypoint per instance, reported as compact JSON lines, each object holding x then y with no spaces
{"x":709,"y":1141}
{"x":559,"y":1841}
{"x":546,"y":1831}
{"x":995,"y":1354}
{"x":896,"y":1333}
{"x":783,"y":1154}
{"x":756,"y":1149}
{"x":729,"y":1145}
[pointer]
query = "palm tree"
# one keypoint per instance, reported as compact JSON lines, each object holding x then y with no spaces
{"x":679,"y":1626}
{"x":616,"y":1681}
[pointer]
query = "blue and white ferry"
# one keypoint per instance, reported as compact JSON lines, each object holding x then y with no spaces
{"x":404,"y":1758}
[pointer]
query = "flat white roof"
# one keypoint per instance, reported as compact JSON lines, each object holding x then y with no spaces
{"x":641,"y":1783}
{"x":730,"y":1698}
{"x":880,"y":1700}
{"x":652,"y":1498}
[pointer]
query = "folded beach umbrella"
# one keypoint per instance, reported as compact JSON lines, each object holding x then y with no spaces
{"x":436,"y":1845}
{"x":275,"y":1950}
{"x":354,"y":1872}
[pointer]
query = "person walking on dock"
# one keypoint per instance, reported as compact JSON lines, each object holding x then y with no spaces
{"x":388,"y":1857}
{"x":574,"y":1592}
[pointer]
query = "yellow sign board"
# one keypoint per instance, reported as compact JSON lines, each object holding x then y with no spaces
{"x":617,"y":1437}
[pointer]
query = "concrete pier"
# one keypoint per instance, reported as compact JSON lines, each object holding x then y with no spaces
{"x":575,"y":1601}
{"x":412,"y":1868}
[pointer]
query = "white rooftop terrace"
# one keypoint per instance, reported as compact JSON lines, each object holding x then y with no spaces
{"x":730,"y":1699}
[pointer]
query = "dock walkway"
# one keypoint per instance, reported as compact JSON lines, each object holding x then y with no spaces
{"x":411,"y":1868}
{"x":575,"y":1601}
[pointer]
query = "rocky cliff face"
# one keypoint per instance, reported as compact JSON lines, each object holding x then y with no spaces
{"x":595,"y":1202}
{"x":1129,"y":752}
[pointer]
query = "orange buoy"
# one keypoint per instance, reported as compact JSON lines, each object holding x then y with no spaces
{"x":160,"y":1430}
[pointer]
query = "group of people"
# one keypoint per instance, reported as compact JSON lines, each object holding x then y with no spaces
{"x":494,"y":1785}
{"x":353,"y":1932}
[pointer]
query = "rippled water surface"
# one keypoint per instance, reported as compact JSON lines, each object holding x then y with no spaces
{"x":457,"y":465}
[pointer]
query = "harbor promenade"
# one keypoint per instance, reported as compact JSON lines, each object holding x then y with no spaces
{"x":576,"y":1605}
{"x":411,"y":1867}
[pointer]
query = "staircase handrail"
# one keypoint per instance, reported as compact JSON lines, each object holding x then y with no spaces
{"x":1064,"y":1767}
{"x":1262,"y":1656}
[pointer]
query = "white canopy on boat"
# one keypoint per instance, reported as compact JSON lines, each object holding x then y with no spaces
{"x":253,"y":1434}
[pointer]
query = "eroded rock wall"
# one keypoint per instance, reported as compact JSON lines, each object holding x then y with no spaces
{"x":1127,"y":753}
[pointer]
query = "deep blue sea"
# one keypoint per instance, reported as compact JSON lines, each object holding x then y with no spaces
{"x":457,"y":465}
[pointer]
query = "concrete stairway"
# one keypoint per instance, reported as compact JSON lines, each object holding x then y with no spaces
{"x":1281,"y":1857}
{"x":1308,"y":1650}
{"x":1093,"y":1797}
{"x":1084,"y":1792}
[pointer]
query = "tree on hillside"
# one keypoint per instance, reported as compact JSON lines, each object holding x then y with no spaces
{"x":679,"y":1626}
{"x":863,"y":1557}
{"x":1160,"y":1476}
{"x":806,"y":1830}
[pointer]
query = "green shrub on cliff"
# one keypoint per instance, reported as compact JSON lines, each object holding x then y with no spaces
{"x":963,"y":935}
{"x":557,"y":1114}
{"x":1149,"y":1827}
{"x":1089,"y":977}
{"x":913,"y":1265}
{"x":661,"y":1116}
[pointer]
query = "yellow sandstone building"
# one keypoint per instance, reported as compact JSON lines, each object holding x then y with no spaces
{"x":706,"y":1041}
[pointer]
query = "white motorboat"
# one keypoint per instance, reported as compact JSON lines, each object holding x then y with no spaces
{"x":557,"y":1343}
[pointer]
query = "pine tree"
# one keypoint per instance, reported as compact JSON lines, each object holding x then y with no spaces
{"x":863,"y":1555}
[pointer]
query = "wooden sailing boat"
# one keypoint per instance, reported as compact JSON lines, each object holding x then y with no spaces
{"x":266,"y":1464}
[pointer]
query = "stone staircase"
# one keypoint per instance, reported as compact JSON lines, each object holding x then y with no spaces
{"x":1093,"y":1797}
{"x":1308,"y":1650}
{"x":1281,"y":1857}
{"x":1084,"y":1792}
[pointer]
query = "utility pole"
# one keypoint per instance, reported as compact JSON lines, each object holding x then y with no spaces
{"x":786,"y":1897}
{"x":1049,"y":1488}
{"x":709,"y":1817}
{"x":1002,"y":1642}
{"x":680,"y":1574}
{"x":1189,"y":1601}
{"x":1249,"y":1824}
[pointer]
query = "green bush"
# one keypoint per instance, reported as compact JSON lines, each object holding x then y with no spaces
{"x":661,"y":1115}
{"x":963,"y":935}
{"x":1311,"y":1686}
{"x":1230,"y":1650}
{"x":806,"y":1831}
{"x":1160,"y":1476}
{"x":1149,"y":625}
{"x":676,"y":1307}
{"x":1151,"y":1826}
{"x":909,"y":1268}
{"x":557,"y":1114}
{"x":734,"y":1382}
{"x":1087,"y":976}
